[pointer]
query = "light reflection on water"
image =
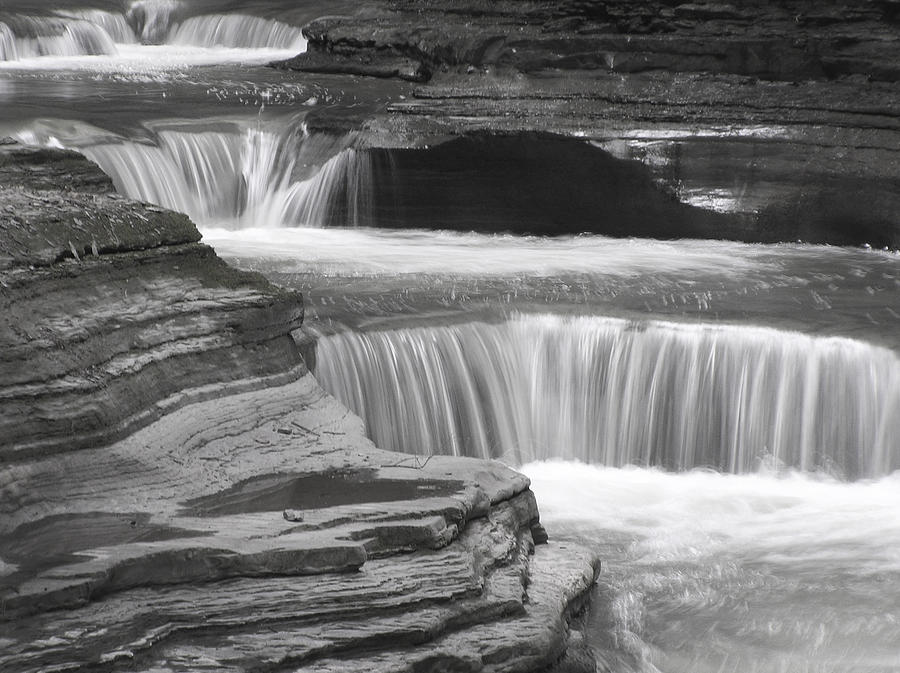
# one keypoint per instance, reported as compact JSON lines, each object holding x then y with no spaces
{"x":357,"y":276}
{"x":703,"y":572}
{"x":743,"y":574}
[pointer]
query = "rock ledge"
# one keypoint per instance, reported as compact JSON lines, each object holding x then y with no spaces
{"x":177,"y":492}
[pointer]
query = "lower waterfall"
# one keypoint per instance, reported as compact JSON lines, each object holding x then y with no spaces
{"x":616,"y":392}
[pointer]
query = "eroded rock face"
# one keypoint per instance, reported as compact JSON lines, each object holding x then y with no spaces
{"x":114,"y":313}
{"x":794,"y":40}
{"x":177,"y":492}
{"x":774,"y":121}
{"x":110,"y":559}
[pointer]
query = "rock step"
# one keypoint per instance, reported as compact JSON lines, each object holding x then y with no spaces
{"x":113,"y":310}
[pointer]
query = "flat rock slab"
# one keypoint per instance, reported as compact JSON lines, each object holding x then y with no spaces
{"x":170,"y":550}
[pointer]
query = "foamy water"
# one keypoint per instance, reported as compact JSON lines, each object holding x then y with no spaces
{"x":744,"y":574}
{"x":144,"y":61}
{"x":373,"y":251}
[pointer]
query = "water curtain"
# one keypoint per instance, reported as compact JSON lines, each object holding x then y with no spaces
{"x":614,"y":392}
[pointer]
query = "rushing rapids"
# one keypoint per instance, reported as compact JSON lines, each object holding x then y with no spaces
{"x":616,"y":392}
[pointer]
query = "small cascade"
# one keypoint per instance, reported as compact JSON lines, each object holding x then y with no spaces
{"x":244,"y":177}
{"x":113,"y":24}
{"x":33,"y":36}
{"x":613,"y":392}
{"x":9,"y":48}
{"x":152,"y":19}
{"x":237,"y":31}
{"x":90,"y":32}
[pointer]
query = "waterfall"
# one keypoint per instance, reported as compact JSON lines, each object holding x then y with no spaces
{"x":83,"y":32}
{"x":152,"y":19}
{"x":614,"y":392}
{"x":244,"y":177}
{"x":237,"y":31}
{"x":31,"y":36}
{"x":9,"y":49}
{"x":113,"y":24}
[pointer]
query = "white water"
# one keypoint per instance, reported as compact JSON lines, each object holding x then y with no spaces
{"x":706,"y":572}
{"x":113,"y":24}
{"x":28,"y":37}
{"x":246,"y":177}
{"x":392,"y":252}
{"x":152,"y":18}
{"x":244,"y":174}
{"x":237,"y":31}
{"x":147,"y":30}
{"x":761,"y":572}
{"x":616,"y":392}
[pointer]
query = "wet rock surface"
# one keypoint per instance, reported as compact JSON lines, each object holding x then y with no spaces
{"x":782,"y":116}
{"x":114,"y":314}
{"x":177,"y":493}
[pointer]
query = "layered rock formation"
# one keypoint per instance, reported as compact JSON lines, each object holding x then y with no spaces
{"x":114,"y":313}
{"x":177,"y":493}
{"x":773,"y":120}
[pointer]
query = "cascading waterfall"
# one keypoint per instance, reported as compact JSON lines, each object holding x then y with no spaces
{"x":151,"y":19}
{"x":246,"y":177}
{"x":30,"y":37}
{"x":237,"y":31}
{"x":615,"y":392}
{"x":85,"y":32}
{"x":113,"y":24}
{"x":9,"y":48}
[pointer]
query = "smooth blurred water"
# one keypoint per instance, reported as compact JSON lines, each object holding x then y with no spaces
{"x":615,"y":392}
{"x":706,"y":572}
{"x":769,"y":570}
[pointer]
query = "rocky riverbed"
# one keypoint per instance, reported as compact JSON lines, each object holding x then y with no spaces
{"x":178,"y":493}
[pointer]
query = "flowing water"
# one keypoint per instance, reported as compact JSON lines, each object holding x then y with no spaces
{"x":721,"y":420}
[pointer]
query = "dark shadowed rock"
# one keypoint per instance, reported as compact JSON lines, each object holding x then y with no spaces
{"x":776,"y":121}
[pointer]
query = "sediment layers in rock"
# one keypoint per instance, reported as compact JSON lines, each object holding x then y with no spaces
{"x":173,"y":549}
{"x":177,"y":492}
{"x":114,"y":313}
{"x":791,"y":40}
{"x":782,"y":116}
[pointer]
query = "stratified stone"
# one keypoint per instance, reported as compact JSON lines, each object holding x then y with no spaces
{"x":170,"y":548}
{"x":776,"y":121}
{"x":177,"y":492}
{"x":113,"y":313}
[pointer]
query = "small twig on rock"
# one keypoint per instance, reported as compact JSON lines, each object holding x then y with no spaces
{"x":303,"y":428}
{"x":417,"y":466}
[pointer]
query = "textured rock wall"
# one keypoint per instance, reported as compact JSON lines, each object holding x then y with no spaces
{"x":114,"y":313}
{"x":780,"y":120}
{"x":775,"y":39}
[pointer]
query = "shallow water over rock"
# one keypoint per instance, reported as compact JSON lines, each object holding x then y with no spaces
{"x":778,"y":362}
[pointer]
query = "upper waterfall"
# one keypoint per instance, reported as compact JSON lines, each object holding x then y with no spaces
{"x":243,"y":175}
{"x":238,"y":31}
{"x":86,"y":32}
{"x":73,"y":35}
{"x":615,"y":392}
